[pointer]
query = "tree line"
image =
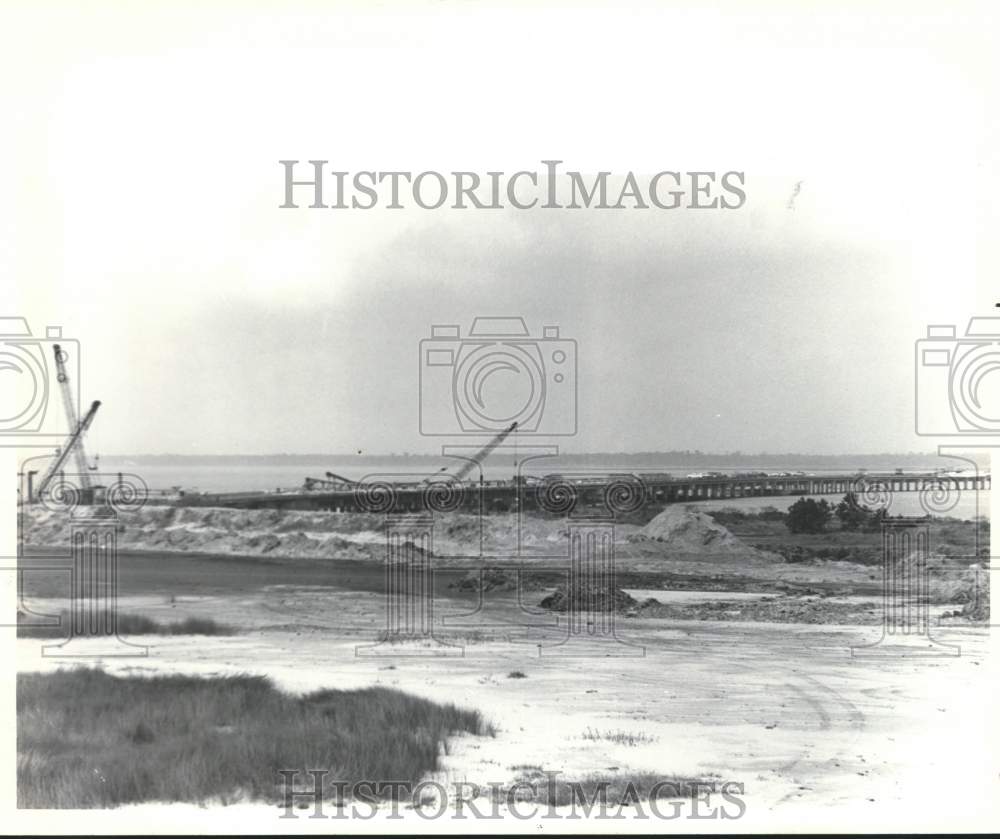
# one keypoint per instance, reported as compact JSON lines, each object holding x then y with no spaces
{"x":811,"y":515}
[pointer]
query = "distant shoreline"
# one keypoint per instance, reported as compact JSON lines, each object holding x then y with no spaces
{"x":668,"y":459}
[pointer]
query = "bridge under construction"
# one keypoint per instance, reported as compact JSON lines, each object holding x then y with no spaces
{"x":561,"y":493}
{"x":465,"y":488}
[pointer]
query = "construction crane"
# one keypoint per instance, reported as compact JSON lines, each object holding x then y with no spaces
{"x":72,"y":420}
{"x":334,"y":478}
{"x":73,"y":443}
{"x":314,"y":483}
{"x":331,"y":481}
{"x":479,"y":456}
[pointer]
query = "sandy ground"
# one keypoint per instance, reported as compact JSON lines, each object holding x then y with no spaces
{"x":818,"y":738}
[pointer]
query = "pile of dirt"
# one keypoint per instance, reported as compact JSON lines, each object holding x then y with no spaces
{"x":812,"y":610}
{"x":589,"y":599}
{"x":977,"y":611}
{"x":491,"y":579}
{"x":965,"y":585}
{"x":304,"y":534}
{"x":685,"y":530}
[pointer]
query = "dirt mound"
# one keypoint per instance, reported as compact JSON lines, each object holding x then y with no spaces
{"x":300,"y":533}
{"x":968,"y":586}
{"x":811,"y":610}
{"x":498,"y":579}
{"x":304,"y":533}
{"x":589,"y":600}
{"x":491,"y":579}
{"x":688,"y":531}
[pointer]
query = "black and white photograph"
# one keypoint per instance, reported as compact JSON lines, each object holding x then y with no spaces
{"x":470,"y":417}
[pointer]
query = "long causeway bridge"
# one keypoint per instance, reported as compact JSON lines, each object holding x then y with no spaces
{"x":560,"y":493}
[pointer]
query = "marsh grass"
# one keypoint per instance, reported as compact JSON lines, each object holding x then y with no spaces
{"x":133,"y":625}
{"x":90,"y":739}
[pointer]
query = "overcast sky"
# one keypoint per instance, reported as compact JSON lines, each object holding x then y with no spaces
{"x":141,"y":188}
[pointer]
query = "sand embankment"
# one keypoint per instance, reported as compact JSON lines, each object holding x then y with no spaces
{"x":679,"y":548}
{"x":296,"y":534}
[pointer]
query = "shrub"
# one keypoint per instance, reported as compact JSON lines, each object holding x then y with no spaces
{"x":851,"y":513}
{"x":807,"y":515}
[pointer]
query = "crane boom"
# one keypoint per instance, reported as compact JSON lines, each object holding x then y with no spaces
{"x":331,"y":481}
{"x":483,"y":453}
{"x":75,"y":445}
{"x":339,"y":479}
{"x":71,"y":443}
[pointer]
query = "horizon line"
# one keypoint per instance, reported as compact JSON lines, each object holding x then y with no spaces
{"x":647,"y":452}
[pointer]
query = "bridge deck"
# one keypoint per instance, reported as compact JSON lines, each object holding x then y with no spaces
{"x":620,"y":491}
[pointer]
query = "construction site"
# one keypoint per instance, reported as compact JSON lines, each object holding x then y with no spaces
{"x":461,"y":485}
{"x":599,"y":619}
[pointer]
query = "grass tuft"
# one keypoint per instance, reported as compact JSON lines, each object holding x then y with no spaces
{"x":624,"y":738}
{"x":90,"y":739}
